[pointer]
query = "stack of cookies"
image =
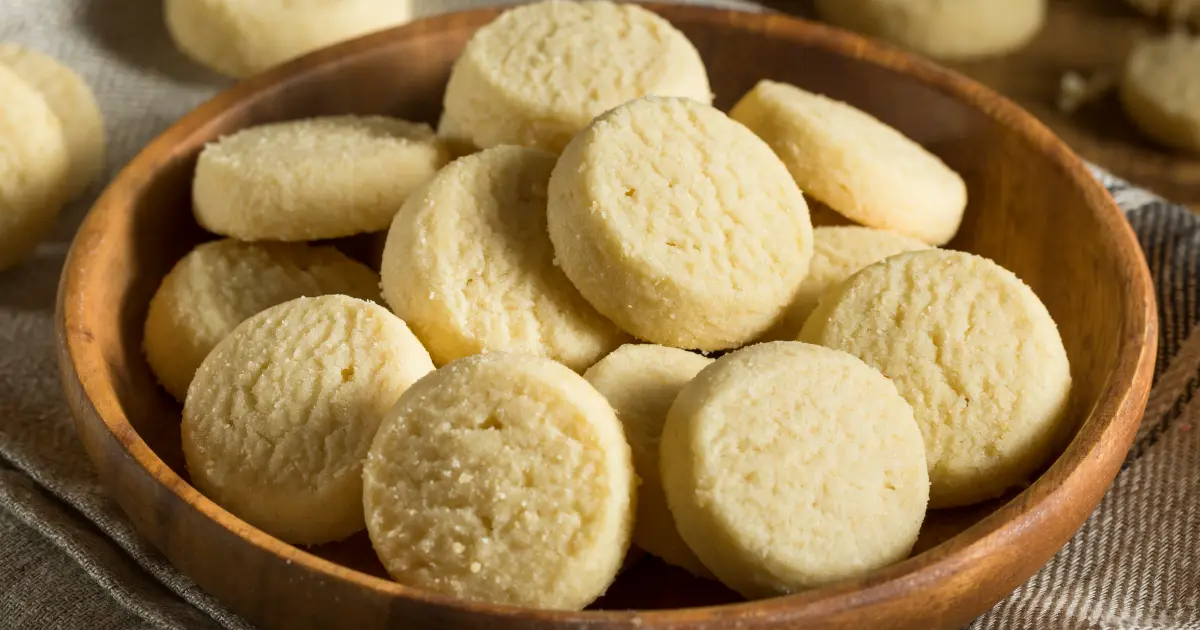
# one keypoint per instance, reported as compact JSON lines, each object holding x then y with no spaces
{"x":609,"y":323}
{"x":52,"y":146}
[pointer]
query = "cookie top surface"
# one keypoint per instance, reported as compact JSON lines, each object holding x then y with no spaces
{"x":859,"y":166}
{"x":280,"y":415}
{"x":469,"y":265}
{"x":974,"y":351}
{"x":641,"y":382}
{"x":555,"y":65}
{"x":679,"y":224}
{"x":220,"y":284}
{"x":502,"y":478}
{"x":293,"y":181}
{"x":789,"y":466}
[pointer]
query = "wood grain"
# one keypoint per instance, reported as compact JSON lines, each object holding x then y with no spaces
{"x":1034,"y":208}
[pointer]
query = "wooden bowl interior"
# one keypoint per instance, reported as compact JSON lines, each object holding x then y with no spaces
{"x":1026,"y":212}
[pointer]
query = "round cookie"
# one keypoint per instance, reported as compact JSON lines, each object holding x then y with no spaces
{"x":469,"y":266}
{"x":679,"y":224}
{"x":220,"y":284}
{"x":956,"y":30}
{"x":292,"y":181}
{"x":241,"y":37}
{"x":502,"y":478}
{"x":974,"y":351}
{"x":1160,"y":89}
{"x":540,"y":73}
{"x":73,"y":104}
{"x":838,"y":252}
{"x":33,"y":168}
{"x":856,"y":164}
{"x":641,"y":381}
{"x":281,"y":414}
{"x":790,"y":466}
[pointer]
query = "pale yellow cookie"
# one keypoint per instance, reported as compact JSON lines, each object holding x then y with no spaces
{"x":313,"y":179}
{"x":838,"y":252}
{"x":641,"y":381}
{"x":974,"y":351}
{"x":469,"y":266}
{"x":1161,"y":90}
{"x":790,"y":466}
{"x":856,"y":164}
{"x":242,"y":37}
{"x":946,"y":29}
{"x":540,"y":73}
{"x":679,"y":224}
{"x":281,"y":414}
{"x":222,"y":283}
{"x":73,"y":103}
{"x":33,"y":168}
{"x":502,"y":478}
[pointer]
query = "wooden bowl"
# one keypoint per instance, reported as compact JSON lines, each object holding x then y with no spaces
{"x":1034,"y":208}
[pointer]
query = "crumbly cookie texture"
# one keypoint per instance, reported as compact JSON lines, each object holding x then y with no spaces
{"x":220,"y":284}
{"x":540,"y":73}
{"x":838,"y":253}
{"x":34,"y":167}
{"x":679,"y":224}
{"x":1160,"y":89}
{"x":282,"y":412}
{"x":502,"y":478}
{"x":956,"y":30}
{"x":856,"y":164}
{"x":641,"y":382}
{"x":974,"y":351}
{"x":789,"y":466}
{"x":294,"y":181}
{"x":73,"y":104}
{"x":469,"y":266}
{"x":241,"y":37}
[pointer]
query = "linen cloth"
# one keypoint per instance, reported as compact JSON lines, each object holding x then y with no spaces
{"x":70,"y":559}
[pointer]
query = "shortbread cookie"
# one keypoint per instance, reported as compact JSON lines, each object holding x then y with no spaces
{"x":469,"y":266}
{"x":281,"y":414}
{"x":946,"y":29}
{"x":974,"y":351}
{"x":838,"y":252}
{"x":540,"y":73}
{"x":242,"y":37}
{"x":641,"y":381}
{"x":859,"y":166}
{"x":222,"y":283}
{"x":502,"y":478}
{"x":679,"y":224}
{"x":33,"y":168}
{"x":313,"y":179}
{"x":790,"y":466}
{"x":1161,"y":90}
{"x":73,"y":103}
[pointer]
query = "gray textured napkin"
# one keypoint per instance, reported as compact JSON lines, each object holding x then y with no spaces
{"x":70,"y":559}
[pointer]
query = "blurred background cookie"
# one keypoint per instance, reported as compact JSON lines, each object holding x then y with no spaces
{"x":34,"y":168}
{"x":944,"y":29}
{"x":1161,"y":90}
{"x":72,"y":101}
{"x":242,"y":37}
